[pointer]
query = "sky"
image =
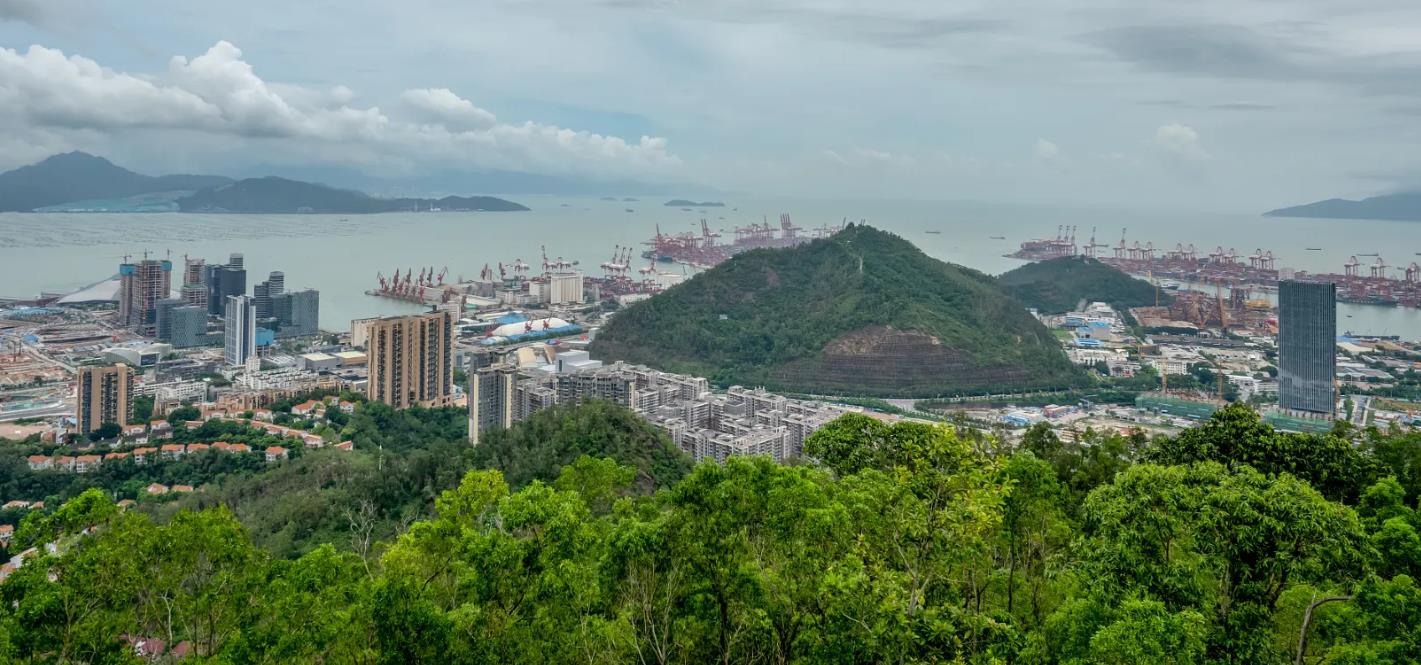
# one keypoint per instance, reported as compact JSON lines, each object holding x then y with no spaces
{"x":1227,"y":105}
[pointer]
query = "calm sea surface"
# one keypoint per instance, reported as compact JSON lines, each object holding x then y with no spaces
{"x":340,"y":255}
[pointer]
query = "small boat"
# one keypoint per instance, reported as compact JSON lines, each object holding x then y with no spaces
{"x":1319,"y":249}
{"x":998,"y":237}
{"x":1372,"y":254}
{"x":933,"y":232}
{"x":630,"y":210}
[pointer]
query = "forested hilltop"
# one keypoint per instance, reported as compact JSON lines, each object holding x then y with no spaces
{"x":862,"y":313}
{"x":1057,"y":285}
{"x":904,"y":543}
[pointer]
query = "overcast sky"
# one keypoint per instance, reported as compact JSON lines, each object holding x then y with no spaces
{"x":1211,"y":104}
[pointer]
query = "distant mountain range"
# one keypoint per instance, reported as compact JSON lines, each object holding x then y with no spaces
{"x":78,"y":181}
{"x":78,"y":176}
{"x":684,"y":203}
{"x":1404,"y":206}
{"x":279,"y":195}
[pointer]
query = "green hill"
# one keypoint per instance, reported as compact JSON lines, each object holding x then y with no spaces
{"x":862,"y":313}
{"x":1058,"y":285}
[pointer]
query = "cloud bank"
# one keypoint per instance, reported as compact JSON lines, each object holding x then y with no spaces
{"x":219,"y":94}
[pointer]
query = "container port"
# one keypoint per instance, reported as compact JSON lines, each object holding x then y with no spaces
{"x":1369,"y":283}
{"x":707,"y":249}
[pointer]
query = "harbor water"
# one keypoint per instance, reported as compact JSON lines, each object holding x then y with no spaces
{"x":340,"y":255}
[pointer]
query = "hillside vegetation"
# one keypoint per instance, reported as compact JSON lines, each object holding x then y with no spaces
{"x":539,"y":447}
{"x":1058,"y":285}
{"x":861,"y":313}
{"x":898,"y":543}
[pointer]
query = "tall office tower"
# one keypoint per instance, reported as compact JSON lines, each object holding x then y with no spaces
{"x":105,"y":396}
{"x":241,"y":331}
{"x":194,"y":287}
{"x":236,"y":261}
{"x":411,"y":359}
{"x":297,"y":313}
{"x":264,"y":292}
{"x":491,"y":402}
{"x":261,"y":300}
{"x":163,"y":318}
{"x":1307,"y":346}
{"x":225,"y":281}
{"x":141,"y":286}
{"x":187,"y":326}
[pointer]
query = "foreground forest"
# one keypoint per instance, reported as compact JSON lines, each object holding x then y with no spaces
{"x":905,"y":543}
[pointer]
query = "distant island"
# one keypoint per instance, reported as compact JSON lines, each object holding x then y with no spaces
{"x":1403,"y":206}
{"x":683,"y":203}
{"x":279,"y":195}
{"x":80,"y":182}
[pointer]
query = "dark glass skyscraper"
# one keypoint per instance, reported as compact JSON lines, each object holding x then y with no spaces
{"x":1307,"y":346}
{"x":224,"y":281}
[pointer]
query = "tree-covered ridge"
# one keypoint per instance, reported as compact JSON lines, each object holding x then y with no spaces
{"x":864,"y":312}
{"x":537,"y":448}
{"x":907,"y":544}
{"x":1059,"y":285}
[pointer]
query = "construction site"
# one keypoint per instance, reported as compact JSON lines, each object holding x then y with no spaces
{"x":1372,"y":283}
{"x":707,"y":249}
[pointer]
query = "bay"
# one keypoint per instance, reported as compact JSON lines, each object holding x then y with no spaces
{"x":340,"y":254}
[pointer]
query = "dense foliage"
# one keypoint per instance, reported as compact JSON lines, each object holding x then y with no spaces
{"x":403,"y":460}
{"x":537,"y":448}
{"x":1059,"y":285}
{"x":906,"y":544}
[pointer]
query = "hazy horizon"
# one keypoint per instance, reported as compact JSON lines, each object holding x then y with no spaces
{"x":1103,"y":103}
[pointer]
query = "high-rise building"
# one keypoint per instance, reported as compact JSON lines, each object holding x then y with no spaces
{"x":261,"y":300}
{"x":194,"y":289}
{"x":411,"y":359}
{"x":141,"y":285}
{"x":264,"y":292}
{"x":1307,"y":346}
{"x":297,"y":313}
{"x":105,"y":396}
{"x":188,"y":326}
{"x":241,"y":331}
{"x":224,"y":281}
{"x":491,"y":400}
{"x":163,"y":318}
{"x":565,"y":288}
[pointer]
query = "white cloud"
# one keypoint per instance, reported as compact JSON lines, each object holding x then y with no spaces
{"x":440,"y":105}
{"x":218,"y":93}
{"x":1046,"y":151}
{"x":1178,"y":141}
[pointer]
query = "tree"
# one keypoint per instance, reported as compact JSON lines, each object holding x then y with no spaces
{"x":1235,"y":435}
{"x":1223,"y":543}
{"x":105,"y":431}
{"x":184,"y":413}
{"x":142,"y":408}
